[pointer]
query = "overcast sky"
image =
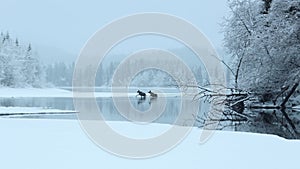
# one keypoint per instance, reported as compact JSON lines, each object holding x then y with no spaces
{"x":67,"y":24}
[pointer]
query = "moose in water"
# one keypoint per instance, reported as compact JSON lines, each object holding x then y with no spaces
{"x":153,"y":95}
{"x":142,"y":94}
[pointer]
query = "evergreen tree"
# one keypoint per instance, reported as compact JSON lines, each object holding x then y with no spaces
{"x":19,"y":66}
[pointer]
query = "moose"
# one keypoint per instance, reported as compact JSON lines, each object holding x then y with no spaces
{"x":142,"y":94}
{"x":153,"y":95}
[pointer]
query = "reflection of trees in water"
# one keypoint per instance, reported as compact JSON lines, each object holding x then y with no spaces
{"x":7,"y":102}
{"x":278,"y":122}
{"x":239,"y":110}
{"x":283,"y":123}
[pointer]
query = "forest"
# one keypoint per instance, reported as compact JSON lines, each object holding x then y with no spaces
{"x":262,"y":38}
{"x":19,"y":64}
{"x":22,"y":67}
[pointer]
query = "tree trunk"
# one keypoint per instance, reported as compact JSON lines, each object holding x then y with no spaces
{"x":289,"y":95}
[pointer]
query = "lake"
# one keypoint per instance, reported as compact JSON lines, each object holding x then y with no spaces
{"x":284,"y":124}
{"x":106,"y":105}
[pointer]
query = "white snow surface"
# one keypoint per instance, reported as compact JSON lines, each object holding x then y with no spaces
{"x":31,"y":110}
{"x":63,"y":144}
{"x":34,"y":92}
{"x":61,"y":93}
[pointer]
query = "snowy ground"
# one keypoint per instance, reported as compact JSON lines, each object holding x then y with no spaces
{"x":34,"y":92}
{"x":31,"y":110}
{"x":62,"y":144}
{"x":60,"y":93}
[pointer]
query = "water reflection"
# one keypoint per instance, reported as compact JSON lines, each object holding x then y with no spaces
{"x":51,"y":103}
{"x":111,"y":113}
{"x":283,"y":123}
{"x":106,"y":105}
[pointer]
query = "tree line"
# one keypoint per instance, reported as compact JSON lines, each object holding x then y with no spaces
{"x":263,"y":39}
{"x":19,"y":64}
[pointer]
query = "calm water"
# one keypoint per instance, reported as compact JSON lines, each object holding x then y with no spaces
{"x":106,"y":105}
{"x":285,"y":123}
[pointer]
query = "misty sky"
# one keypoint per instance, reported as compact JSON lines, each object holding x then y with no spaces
{"x":68,"y":24}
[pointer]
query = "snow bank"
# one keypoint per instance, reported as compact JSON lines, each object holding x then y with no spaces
{"x":62,"y":144}
{"x":34,"y":92}
{"x":31,"y":110}
{"x":60,"y":93}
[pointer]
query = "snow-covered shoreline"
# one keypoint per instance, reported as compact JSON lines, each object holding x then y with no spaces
{"x":34,"y":92}
{"x":61,"y":93}
{"x":32,"y":110}
{"x":29,"y":143}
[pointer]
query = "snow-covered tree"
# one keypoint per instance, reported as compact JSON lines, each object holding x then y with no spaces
{"x":19,"y":65}
{"x":263,"y":38}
